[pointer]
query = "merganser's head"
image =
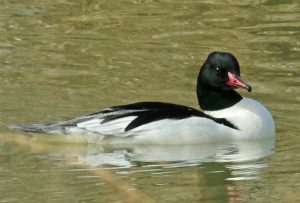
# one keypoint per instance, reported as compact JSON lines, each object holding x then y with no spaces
{"x":221,"y":70}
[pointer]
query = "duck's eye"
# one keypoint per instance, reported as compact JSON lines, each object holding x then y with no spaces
{"x":218,"y":70}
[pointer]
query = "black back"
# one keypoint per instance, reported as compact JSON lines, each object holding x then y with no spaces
{"x":147,"y":112}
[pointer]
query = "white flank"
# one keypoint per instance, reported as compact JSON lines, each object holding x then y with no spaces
{"x":251,"y":118}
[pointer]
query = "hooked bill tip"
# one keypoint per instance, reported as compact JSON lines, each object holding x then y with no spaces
{"x":248,"y":88}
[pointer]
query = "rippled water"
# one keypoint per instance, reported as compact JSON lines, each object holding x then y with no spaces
{"x":65,"y":58}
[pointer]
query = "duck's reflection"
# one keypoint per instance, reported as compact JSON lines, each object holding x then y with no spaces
{"x":216,"y":168}
{"x":243,"y":159}
{"x":211,"y":172}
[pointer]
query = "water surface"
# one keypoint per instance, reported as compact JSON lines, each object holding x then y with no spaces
{"x":60,"y":59}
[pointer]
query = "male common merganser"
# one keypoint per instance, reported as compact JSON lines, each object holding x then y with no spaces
{"x":226,"y":114}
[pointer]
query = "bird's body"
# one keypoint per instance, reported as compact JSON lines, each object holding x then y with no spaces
{"x":226,"y":116}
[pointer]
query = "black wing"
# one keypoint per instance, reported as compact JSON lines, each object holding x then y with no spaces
{"x":147,"y":112}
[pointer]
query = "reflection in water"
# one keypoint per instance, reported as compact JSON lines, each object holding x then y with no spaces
{"x":214,"y":167}
{"x":242,"y":159}
{"x":59,"y":169}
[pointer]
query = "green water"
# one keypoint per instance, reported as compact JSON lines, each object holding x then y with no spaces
{"x":60,"y":59}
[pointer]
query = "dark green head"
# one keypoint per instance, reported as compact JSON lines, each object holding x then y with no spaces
{"x":221,"y":71}
{"x":218,"y":77}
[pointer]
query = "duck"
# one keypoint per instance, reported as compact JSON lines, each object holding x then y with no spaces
{"x":224,"y":116}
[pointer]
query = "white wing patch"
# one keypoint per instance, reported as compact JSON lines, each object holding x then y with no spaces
{"x":115,"y":127}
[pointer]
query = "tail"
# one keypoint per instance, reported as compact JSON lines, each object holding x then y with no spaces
{"x":39,"y":127}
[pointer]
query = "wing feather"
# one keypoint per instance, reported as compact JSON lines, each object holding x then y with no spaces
{"x":113,"y":127}
{"x":124,"y":120}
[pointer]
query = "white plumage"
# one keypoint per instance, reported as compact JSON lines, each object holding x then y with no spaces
{"x":191,"y":130}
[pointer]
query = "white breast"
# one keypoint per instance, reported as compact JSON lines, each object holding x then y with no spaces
{"x":253,"y":120}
